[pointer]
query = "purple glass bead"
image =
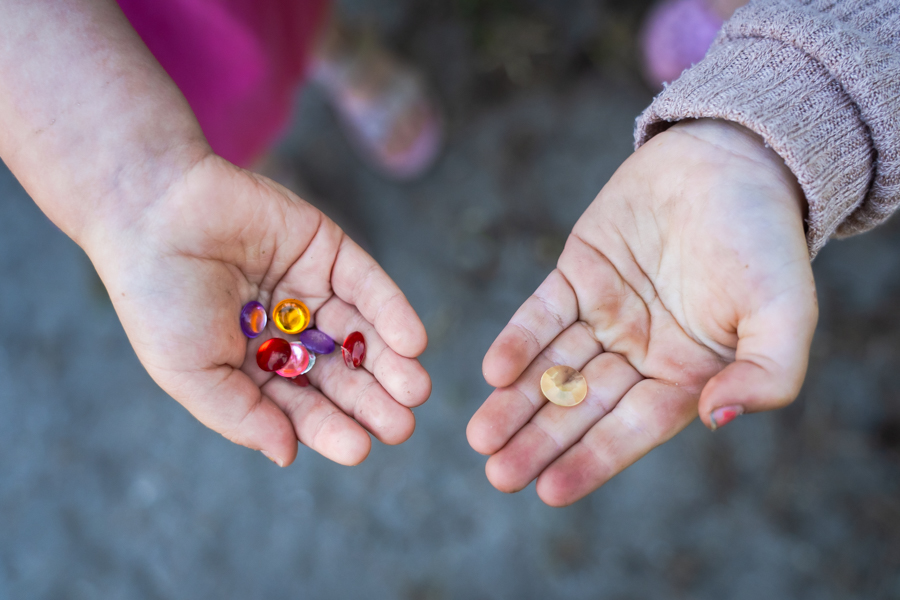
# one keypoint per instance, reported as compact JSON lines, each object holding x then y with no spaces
{"x":253,"y":319}
{"x":317,"y":341}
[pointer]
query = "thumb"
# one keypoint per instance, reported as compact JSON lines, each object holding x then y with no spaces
{"x":770,"y":362}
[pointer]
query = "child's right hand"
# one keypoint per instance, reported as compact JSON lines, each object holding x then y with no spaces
{"x":107,"y":146}
{"x":179,"y":274}
{"x":685,"y":286}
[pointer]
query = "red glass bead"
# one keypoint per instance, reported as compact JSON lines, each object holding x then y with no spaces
{"x":354,"y":349}
{"x":273,"y":354}
{"x":300,"y":380}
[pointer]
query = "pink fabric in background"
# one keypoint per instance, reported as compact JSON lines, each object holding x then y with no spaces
{"x":239,"y":63}
{"x":676,"y":34}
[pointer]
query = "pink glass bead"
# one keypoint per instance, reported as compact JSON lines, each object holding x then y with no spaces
{"x":354,"y":349}
{"x":300,"y":380}
{"x":253,"y":319}
{"x":298,"y":363}
{"x":273,"y":354}
{"x":317,"y":342}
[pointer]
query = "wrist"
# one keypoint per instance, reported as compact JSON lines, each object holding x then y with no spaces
{"x":737,"y":140}
{"x":122,"y":198}
{"x":90,"y":124}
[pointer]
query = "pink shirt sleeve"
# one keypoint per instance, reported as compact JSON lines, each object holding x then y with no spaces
{"x":239,"y":63}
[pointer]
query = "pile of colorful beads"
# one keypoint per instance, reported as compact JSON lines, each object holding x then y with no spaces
{"x":293,"y":360}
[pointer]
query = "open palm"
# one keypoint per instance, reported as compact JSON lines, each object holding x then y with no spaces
{"x":222,"y":237}
{"x":686,"y":285}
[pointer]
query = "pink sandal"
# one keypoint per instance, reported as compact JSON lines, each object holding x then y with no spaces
{"x":383,"y":105}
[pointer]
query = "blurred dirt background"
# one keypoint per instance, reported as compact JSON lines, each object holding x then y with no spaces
{"x":109,"y":489}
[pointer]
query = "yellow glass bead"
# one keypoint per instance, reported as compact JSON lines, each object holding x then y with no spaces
{"x":291,"y":316}
{"x":563,"y":386}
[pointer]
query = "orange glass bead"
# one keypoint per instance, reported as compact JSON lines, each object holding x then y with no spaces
{"x":563,"y":386}
{"x":291,"y":316}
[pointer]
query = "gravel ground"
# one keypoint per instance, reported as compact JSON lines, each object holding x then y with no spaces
{"x":111,"y":490}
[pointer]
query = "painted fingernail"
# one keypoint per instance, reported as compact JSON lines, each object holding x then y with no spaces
{"x":267,"y":455}
{"x":724,"y":415}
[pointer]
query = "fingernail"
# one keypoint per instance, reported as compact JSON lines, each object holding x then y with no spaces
{"x":724,"y":415}
{"x":267,"y":455}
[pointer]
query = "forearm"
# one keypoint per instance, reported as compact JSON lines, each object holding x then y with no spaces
{"x":90,"y":124}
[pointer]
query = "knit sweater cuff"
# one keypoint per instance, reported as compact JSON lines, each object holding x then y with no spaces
{"x":797,"y":107}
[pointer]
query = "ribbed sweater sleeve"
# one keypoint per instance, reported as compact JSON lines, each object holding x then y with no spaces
{"x":820,"y":82}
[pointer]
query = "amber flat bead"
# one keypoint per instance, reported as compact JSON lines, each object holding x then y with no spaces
{"x":563,"y":386}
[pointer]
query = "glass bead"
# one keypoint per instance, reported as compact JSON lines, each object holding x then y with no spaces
{"x":291,"y":316}
{"x":298,"y":363}
{"x":312,"y":363}
{"x":273,"y":354}
{"x":354,"y":349}
{"x":317,"y":342}
{"x":253,"y":319}
{"x":563,"y":386}
{"x":300,"y":380}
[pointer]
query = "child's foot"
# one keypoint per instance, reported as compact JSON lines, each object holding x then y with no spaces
{"x":382,"y":103}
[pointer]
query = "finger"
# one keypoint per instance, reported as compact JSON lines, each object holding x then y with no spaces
{"x":227,"y":401}
{"x":403,"y":378}
{"x":358,"y":280}
{"x":649,"y":414}
{"x":359,"y":395}
{"x":508,"y":409}
{"x":554,"y":429}
{"x":319,"y":424}
{"x":770,"y":362}
{"x":547,"y":313}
